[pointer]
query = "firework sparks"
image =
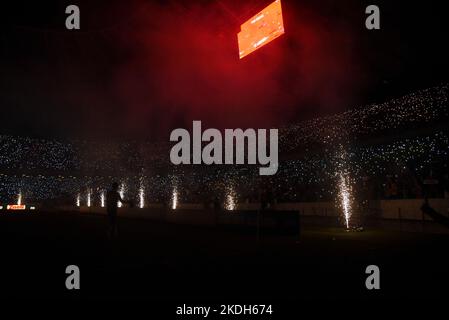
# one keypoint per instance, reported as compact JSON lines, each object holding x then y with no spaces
{"x":19,"y":199}
{"x":345,"y":197}
{"x":230,"y":202}
{"x":344,"y":186}
{"x":141,"y":192}
{"x":102,"y":199}
{"x":89,"y":195}
{"x":78,"y":200}
{"x":174,"y":198}
{"x":122,"y":194}
{"x":141,"y":197}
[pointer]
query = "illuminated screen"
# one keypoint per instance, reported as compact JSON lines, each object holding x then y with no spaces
{"x":16,"y":207}
{"x":261,"y":29}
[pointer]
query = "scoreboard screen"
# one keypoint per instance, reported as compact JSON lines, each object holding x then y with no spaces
{"x":261,"y":29}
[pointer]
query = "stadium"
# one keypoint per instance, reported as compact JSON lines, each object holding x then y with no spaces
{"x":402,"y":142}
{"x":362,"y":177}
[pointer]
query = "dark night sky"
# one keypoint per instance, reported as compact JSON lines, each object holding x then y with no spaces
{"x":140,"y":69}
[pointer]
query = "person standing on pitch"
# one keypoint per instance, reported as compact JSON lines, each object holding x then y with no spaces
{"x":112,"y":199}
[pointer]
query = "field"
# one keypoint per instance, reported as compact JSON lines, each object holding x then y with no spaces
{"x":175,"y":263}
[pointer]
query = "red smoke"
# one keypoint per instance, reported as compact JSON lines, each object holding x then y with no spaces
{"x":183,"y":65}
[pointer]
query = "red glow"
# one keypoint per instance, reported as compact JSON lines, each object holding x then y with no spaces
{"x":261,"y":29}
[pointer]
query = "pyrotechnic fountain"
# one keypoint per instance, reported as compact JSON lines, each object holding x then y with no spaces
{"x":19,"y":198}
{"x":174,"y":198}
{"x":78,"y":200}
{"x":141,"y":194}
{"x":345,"y":197}
{"x":102,"y":199}
{"x":344,"y":186}
{"x":141,"y":197}
{"x":89,"y":194}
{"x":122,"y":193}
{"x":175,"y":192}
{"x":230,"y":201}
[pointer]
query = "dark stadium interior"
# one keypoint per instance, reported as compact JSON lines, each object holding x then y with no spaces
{"x":363,"y":174}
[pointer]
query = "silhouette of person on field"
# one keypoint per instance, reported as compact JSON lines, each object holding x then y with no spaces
{"x":112,"y":199}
